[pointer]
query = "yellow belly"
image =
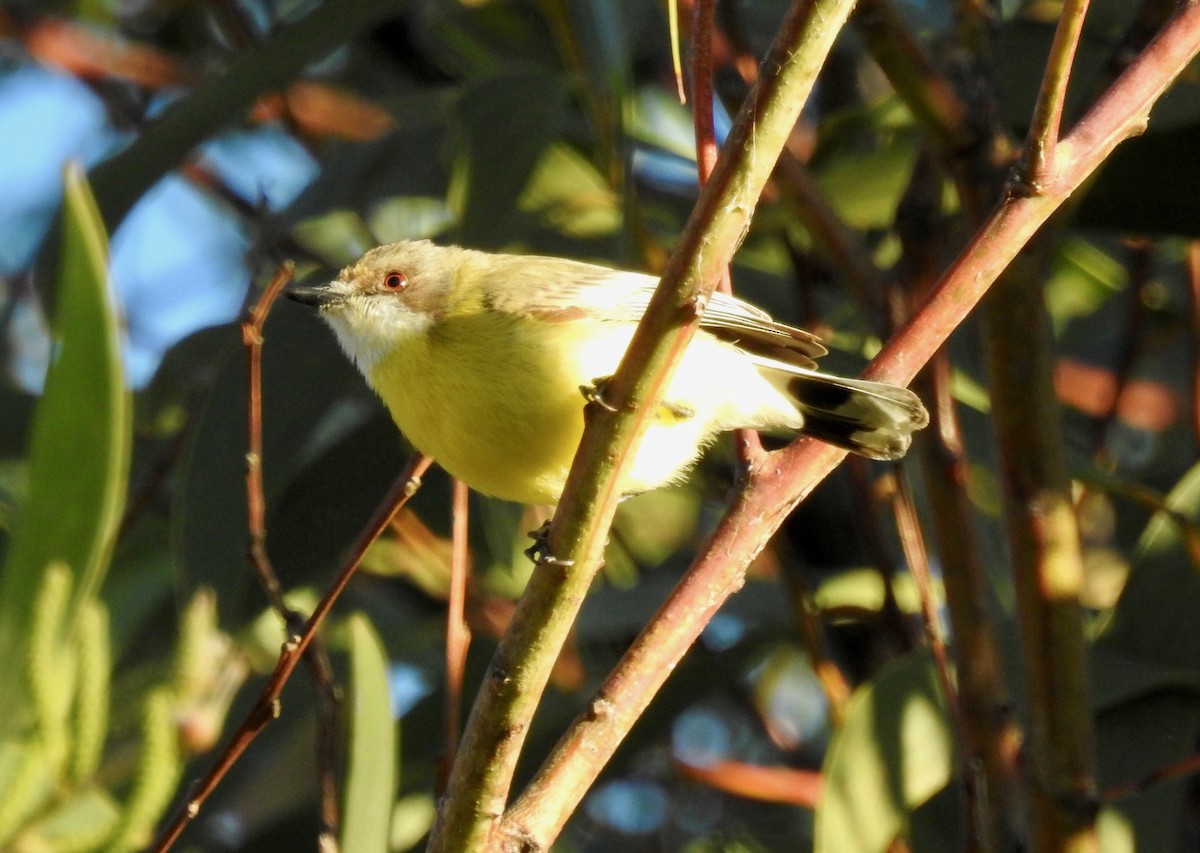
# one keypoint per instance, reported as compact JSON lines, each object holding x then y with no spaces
{"x":497,"y":402}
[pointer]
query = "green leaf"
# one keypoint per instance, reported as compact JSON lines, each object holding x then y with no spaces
{"x":864,"y":188}
{"x":1081,"y":279}
{"x":79,"y":450}
{"x":371,"y":768}
{"x":409,"y":218}
{"x":504,"y":123}
{"x":121,"y":180}
{"x":412,"y":818}
{"x":571,"y":196}
{"x":81,"y":823}
{"x":1145,"y":673}
{"x":893,"y":753}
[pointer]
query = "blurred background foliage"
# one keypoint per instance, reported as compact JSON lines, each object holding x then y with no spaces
{"x":222,"y":137}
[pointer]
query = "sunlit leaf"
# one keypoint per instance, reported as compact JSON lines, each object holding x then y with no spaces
{"x":1082,"y":278}
{"x":504,"y":123}
{"x":371,"y":765}
{"x":893,"y":753}
{"x":79,"y":449}
{"x":409,"y":218}
{"x":411,"y":819}
{"x":1145,"y":674}
{"x":571,"y":196}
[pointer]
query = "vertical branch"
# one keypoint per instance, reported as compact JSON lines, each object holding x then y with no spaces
{"x":991,"y":738}
{"x":1046,"y":559}
{"x":867,"y":501}
{"x":252,"y":339}
{"x":747,"y":444}
{"x":1039,"y":513}
{"x":327,"y":701}
{"x":458,"y":634}
{"x":1047,"y":113}
{"x":1193,"y":277}
{"x":986,"y":730}
{"x":917,"y":558}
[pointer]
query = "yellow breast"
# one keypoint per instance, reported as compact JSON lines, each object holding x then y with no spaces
{"x":496,"y":400}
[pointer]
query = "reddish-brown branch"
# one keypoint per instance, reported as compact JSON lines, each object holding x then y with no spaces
{"x":267,"y":707}
{"x":458,"y":634}
{"x":1184,"y":767}
{"x":766,"y":784}
{"x":1193,"y":277}
{"x":917,"y":557}
{"x":786,"y":478}
{"x":746,"y":442}
{"x":327,"y":702}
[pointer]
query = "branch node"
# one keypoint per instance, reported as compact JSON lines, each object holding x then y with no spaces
{"x":539,"y":552}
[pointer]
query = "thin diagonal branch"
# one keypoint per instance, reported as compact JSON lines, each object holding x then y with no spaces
{"x":266,"y":707}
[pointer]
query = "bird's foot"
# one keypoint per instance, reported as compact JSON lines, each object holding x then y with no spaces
{"x":539,"y":551}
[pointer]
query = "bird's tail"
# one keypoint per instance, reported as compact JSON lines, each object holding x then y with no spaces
{"x":871,"y":419}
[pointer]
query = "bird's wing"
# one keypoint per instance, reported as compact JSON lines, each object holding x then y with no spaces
{"x":560,"y":290}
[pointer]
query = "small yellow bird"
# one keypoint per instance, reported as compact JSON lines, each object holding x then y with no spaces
{"x":481,"y":359}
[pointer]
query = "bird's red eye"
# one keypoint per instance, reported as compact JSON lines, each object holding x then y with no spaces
{"x":395,"y":281}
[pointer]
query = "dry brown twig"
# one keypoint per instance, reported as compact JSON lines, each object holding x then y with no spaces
{"x":301,"y":633}
{"x":327,"y":698}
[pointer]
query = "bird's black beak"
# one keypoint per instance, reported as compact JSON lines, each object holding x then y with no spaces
{"x":315,"y":296}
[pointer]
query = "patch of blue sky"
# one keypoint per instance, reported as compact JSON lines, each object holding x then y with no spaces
{"x":407,"y":685}
{"x":46,"y":120}
{"x":263,"y":165}
{"x":179,"y":257}
{"x":179,"y":264}
{"x":665,"y":171}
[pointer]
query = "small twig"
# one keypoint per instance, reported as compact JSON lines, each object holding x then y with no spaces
{"x":1047,"y":113}
{"x":267,"y":707}
{"x":1193,"y":277}
{"x":917,"y":557}
{"x":1140,"y":268}
{"x":252,"y":339}
{"x":458,"y":633}
{"x":1184,"y":767}
{"x":327,"y":700}
{"x":866,"y":502}
{"x":812,"y":636}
